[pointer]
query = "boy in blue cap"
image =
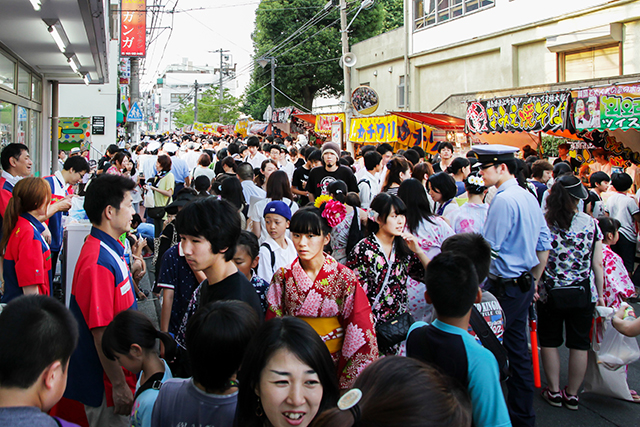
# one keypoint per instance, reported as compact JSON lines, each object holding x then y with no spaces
{"x":277,"y":250}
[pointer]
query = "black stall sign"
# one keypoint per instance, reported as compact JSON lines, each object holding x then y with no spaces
{"x":529,"y":113}
{"x":97,"y":125}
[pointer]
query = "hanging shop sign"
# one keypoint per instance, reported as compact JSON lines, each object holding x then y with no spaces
{"x":73,"y":129}
{"x":612,"y":107}
{"x":323,"y":122}
{"x":531,"y":113}
{"x":124,"y":71}
{"x":133,"y":28}
{"x":374,"y":130}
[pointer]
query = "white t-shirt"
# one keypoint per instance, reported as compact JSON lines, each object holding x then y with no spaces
{"x":369,"y":188}
{"x":257,"y":160}
{"x":284,"y":257}
{"x":256,"y":213}
{"x":622,"y":208}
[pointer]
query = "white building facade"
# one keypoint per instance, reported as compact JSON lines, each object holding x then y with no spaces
{"x":456,"y":50}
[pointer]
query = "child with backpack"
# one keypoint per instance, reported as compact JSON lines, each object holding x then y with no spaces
{"x":277,"y":250}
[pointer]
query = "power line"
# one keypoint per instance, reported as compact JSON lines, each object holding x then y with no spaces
{"x":287,"y":96}
{"x":309,"y":63}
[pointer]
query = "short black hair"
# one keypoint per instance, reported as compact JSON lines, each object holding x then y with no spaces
{"x":419,"y":150}
{"x":372,"y":159}
{"x":412,"y":155}
{"x":445,"y":184}
{"x":77,"y":163}
{"x":384,"y":148}
{"x":217,"y":336}
{"x":215,"y":220}
{"x":598,"y":177}
{"x":105,"y":190}
{"x":35,"y":331}
{"x":315,"y":155}
{"x":13,"y":150}
{"x":445,"y":144}
{"x":202,"y":183}
{"x":452,"y":284}
{"x":112,"y":149}
{"x":621,"y":181}
{"x":245,"y":171}
{"x":365,"y":149}
{"x":474,"y":247}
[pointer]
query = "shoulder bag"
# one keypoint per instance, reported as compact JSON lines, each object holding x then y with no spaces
{"x":156,"y":212}
{"x":393,"y":331}
{"x":577,"y":294}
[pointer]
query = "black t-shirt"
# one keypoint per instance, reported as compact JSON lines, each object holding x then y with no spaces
{"x":299,"y":163}
{"x":299,"y":180}
{"x":320,"y":178}
{"x":234,"y":287}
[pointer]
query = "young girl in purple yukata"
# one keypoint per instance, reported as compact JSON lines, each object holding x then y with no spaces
{"x":384,"y":260}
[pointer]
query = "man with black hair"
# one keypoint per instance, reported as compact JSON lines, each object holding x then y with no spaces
{"x":624,"y":208}
{"x":37,"y":336}
{"x":255,"y":157}
{"x":541,"y":173}
{"x":413,"y":156}
{"x":16,"y":164}
{"x":386,"y":151}
{"x":61,"y":193}
{"x":209,"y":229}
{"x":102,"y":287}
{"x":445,"y":151}
{"x":301,"y":175}
{"x":279,"y":154}
{"x":520,"y":241}
{"x":368,"y":184}
{"x":452,"y":288}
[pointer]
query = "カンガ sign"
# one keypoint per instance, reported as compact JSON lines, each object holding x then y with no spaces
{"x":133,"y":28}
{"x":515,"y":114}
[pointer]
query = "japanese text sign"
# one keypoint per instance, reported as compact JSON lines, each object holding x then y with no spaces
{"x":323,"y":122}
{"x":612,"y":107}
{"x":373,"y":130}
{"x":533,"y":113}
{"x":133,"y":28}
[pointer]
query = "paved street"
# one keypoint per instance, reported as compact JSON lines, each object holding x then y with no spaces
{"x":595,"y":411}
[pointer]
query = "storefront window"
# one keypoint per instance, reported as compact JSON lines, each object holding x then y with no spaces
{"x":34,"y":138}
{"x":7,"y":72}
{"x":36,"y":89}
{"x":6,"y":123}
{"x":22,"y":126}
{"x":24,"y":83}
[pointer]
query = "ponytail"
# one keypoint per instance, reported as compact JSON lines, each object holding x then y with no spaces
{"x":28,"y":195}
{"x":132,"y":327}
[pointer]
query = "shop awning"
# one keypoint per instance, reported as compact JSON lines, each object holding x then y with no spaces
{"x":436,"y":120}
{"x":309,"y":118}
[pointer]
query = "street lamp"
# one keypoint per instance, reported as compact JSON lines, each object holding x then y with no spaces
{"x":263,"y":63}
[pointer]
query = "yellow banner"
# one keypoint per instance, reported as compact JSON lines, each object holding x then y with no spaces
{"x":373,"y":130}
{"x":323,"y":122}
{"x":241,"y":127}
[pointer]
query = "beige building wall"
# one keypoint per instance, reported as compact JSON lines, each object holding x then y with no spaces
{"x":513,"y":44}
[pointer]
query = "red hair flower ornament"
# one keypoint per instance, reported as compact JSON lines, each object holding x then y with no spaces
{"x":334,"y":212}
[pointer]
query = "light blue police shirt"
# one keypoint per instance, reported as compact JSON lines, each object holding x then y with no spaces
{"x":515,"y":228}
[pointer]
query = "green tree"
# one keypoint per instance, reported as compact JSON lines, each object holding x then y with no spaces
{"x":210,"y":109}
{"x":307,"y":67}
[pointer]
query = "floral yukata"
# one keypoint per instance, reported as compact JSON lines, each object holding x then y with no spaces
{"x":335,"y":293}
{"x":617,"y":283}
{"x":370,"y":263}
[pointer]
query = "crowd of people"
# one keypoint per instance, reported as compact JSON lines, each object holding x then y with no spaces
{"x":300,"y":286}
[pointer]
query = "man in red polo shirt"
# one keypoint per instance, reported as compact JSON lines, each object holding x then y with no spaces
{"x":102,"y":287}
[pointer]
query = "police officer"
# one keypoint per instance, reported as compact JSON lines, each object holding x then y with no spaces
{"x":520,"y":241}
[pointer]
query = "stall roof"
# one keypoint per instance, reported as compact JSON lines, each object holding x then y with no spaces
{"x":310,"y":118}
{"x":436,"y":120}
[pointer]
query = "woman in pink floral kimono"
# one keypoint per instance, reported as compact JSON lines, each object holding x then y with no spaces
{"x":325,"y":294}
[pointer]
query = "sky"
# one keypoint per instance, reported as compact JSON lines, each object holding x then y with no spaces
{"x":199,"y":27}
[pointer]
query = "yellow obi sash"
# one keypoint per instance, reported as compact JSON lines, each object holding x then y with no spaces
{"x":329,"y":329}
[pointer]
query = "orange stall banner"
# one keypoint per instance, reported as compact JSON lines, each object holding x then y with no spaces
{"x":133,"y":28}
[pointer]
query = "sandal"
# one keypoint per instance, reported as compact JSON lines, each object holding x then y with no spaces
{"x":635,"y":396}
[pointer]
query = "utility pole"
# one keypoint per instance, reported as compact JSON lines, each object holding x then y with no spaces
{"x":135,"y":97}
{"x":273,"y":93}
{"x":195,"y":103}
{"x":222,"y":67}
{"x":346,"y":73}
